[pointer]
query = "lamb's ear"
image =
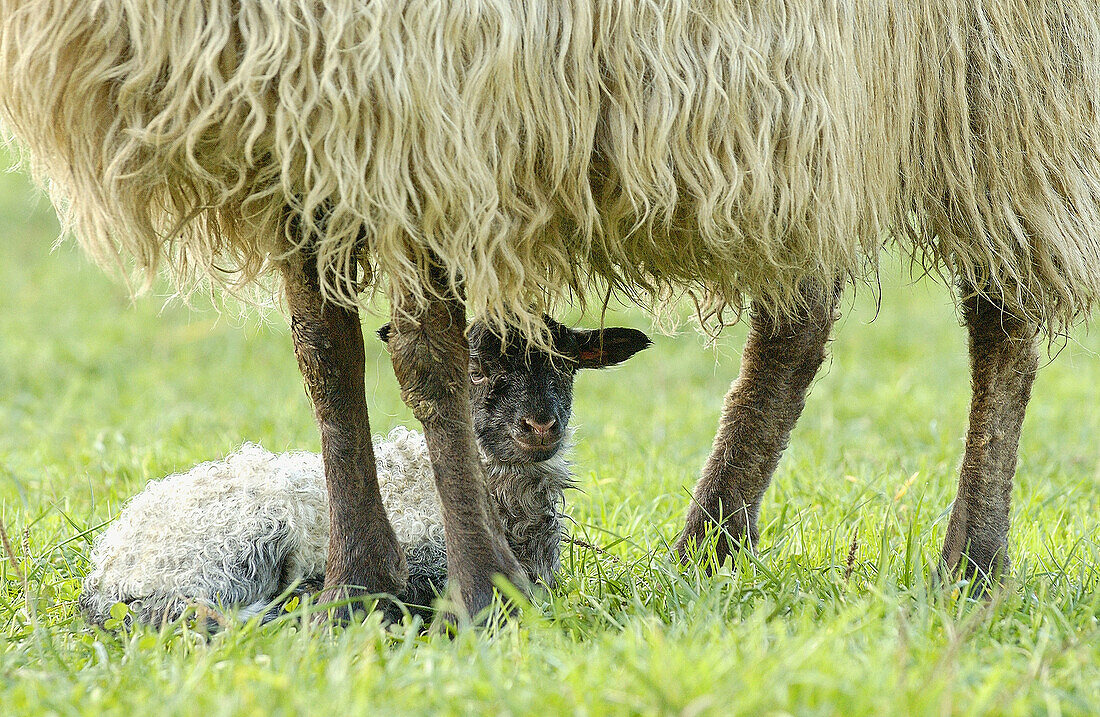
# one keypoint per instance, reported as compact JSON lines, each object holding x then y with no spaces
{"x":384,"y":334}
{"x":607,"y":347}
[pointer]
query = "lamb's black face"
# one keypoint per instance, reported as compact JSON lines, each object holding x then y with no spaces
{"x":522,"y":398}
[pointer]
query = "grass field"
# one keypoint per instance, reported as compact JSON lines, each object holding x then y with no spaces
{"x":99,"y":394}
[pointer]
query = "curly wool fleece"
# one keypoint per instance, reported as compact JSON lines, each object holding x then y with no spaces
{"x":241,"y":531}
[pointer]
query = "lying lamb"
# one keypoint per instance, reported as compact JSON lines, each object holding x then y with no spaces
{"x":240,"y":532}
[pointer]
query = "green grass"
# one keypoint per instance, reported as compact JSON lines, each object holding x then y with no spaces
{"x":101,"y":394}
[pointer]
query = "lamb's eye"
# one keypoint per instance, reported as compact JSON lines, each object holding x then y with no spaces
{"x":477,"y":377}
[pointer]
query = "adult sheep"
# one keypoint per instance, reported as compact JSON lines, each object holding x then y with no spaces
{"x":493,"y":157}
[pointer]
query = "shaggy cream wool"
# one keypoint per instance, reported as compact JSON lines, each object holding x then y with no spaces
{"x":730,"y":149}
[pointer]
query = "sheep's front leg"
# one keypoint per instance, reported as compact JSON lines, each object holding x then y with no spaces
{"x":1003,"y":363}
{"x":431,"y":358}
{"x":780,"y":359}
{"x":363,"y":554}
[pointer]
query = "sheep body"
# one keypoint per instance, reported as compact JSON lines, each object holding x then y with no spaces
{"x":239,"y":532}
{"x":729,"y":149}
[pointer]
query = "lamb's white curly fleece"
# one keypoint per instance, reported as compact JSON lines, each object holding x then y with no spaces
{"x":269,"y":517}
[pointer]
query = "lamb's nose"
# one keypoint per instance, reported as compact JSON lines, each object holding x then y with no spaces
{"x":541,"y":429}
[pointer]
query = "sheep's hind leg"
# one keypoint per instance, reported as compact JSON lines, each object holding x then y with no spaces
{"x":779,"y":361}
{"x":364,"y":556}
{"x":1003,"y":362}
{"x":431,"y":357}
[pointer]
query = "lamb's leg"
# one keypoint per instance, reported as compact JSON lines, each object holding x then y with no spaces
{"x":1003,"y":362}
{"x":780,"y":359}
{"x":430,"y":357}
{"x":363,"y":554}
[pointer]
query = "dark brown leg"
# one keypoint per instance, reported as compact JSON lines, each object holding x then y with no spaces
{"x":431,"y":356}
{"x":328,"y":340}
{"x":780,"y":359}
{"x":1003,"y":362}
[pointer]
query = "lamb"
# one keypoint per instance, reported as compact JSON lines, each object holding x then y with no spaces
{"x":243,"y":531}
{"x":494,"y":158}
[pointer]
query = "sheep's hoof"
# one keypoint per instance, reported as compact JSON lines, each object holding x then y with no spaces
{"x":342,"y":605}
{"x":490,"y":609}
{"x":485,"y":595}
{"x":701,"y":535}
{"x":980,"y":565}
